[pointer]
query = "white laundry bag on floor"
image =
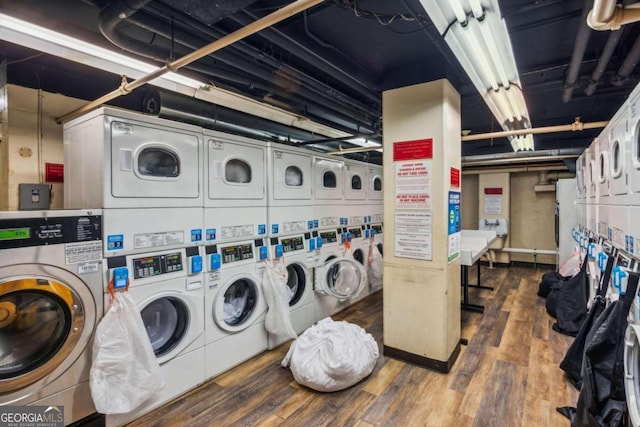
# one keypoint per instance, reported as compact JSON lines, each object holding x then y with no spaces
{"x":124,"y":371}
{"x":332,"y":356}
{"x":277,"y":295}
{"x":375,"y":268}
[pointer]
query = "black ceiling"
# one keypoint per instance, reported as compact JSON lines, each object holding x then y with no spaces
{"x":332,"y":62}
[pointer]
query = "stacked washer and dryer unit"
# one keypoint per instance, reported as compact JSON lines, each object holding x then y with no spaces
{"x":235,"y":220}
{"x":146,"y":175}
{"x":608,"y":206}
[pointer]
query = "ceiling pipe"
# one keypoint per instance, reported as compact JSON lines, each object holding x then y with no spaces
{"x":303,"y":94}
{"x":607,"y":53}
{"x":607,"y":15}
{"x":284,"y":71}
{"x":360,"y":83}
{"x":628,"y":65}
{"x":113,"y":15}
{"x":576,"y":126}
{"x":344,"y":138}
{"x":512,"y":169}
{"x":579,"y":48}
{"x":125,"y":88}
{"x":354,"y":150}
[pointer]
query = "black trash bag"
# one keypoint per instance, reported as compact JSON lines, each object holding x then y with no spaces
{"x":571,"y":303}
{"x":572,"y":362}
{"x":551,"y":304}
{"x":602,"y":400}
{"x":548,"y":280}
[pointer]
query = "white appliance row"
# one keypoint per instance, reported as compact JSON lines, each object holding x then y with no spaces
{"x":154,"y":177}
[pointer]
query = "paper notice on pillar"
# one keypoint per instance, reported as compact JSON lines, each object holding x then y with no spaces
{"x":413,"y":235}
{"x":413,"y":184}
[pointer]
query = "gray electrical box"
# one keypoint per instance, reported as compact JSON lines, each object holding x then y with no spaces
{"x":34,"y":196}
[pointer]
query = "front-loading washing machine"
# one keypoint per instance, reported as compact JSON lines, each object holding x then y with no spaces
{"x":633,"y":115}
{"x":632,"y":361}
{"x":300,"y":258}
{"x":235,"y":203}
{"x":328,"y":192}
{"x":50,"y":303}
{"x":131,"y":164}
{"x":359,"y":247}
{"x":290,"y":207}
{"x":337,"y":279}
{"x":235,"y":307}
{"x":168,"y":288}
{"x":592,"y":174}
{"x":356,"y":178}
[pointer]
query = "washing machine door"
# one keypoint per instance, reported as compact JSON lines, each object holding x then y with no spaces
{"x":296,"y":282}
{"x":632,"y":372}
{"x":45,"y":324}
{"x":171,"y":322}
{"x":340,"y":277}
{"x":237,"y":304}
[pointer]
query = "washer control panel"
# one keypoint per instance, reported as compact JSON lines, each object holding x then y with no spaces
{"x":236,"y":253}
{"x":155,"y":265}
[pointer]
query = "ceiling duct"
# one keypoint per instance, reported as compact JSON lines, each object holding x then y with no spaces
{"x":173,"y":106}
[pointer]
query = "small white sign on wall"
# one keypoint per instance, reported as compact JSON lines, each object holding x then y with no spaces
{"x":493,"y":204}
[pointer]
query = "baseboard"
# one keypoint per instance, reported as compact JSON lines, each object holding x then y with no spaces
{"x":425,"y":362}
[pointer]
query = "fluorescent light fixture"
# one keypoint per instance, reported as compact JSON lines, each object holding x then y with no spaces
{"x":478,"y":37}
{"x":57,"y":44}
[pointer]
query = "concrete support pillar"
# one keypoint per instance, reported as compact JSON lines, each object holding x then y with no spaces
{"x":421,"y":263}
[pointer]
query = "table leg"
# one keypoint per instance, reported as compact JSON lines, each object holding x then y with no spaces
{"x":478,"y":284}
{"x":465,"y":295}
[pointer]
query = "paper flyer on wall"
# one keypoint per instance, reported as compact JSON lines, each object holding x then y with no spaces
{"x":413,"y":235}
{"x":413,"y":184}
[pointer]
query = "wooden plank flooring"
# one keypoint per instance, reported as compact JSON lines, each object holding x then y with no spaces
{"x":508,"y":375}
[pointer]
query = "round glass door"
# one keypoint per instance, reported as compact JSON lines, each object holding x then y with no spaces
{"x":166,"y":321}
{"x":41,"y":321}
{"x":296,"y":283}
{"x":342,"y":278}
{"x":358,"y":255}
{"x":239,"y":303}
{"x":632,"y":372}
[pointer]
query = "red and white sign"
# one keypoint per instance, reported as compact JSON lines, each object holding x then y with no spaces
{"x":493,"y":190}
{"x":413,"y":150}
{"x":54,"y":172}
{"x":454,"y":177}
{"x":413,"y":185}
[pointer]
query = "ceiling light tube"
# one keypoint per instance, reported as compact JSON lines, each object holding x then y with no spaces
{"x":476,"y":51}
{"x":458,"y":11}
{"x":476,"y":9}
{"x":514,"y":105}
{"x":494,"y":54}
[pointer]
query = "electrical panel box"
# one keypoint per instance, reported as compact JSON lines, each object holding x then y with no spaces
{"x":34,"y":196}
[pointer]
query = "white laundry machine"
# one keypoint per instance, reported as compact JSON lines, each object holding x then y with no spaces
{"x":632,"y":361}
{"x":235,"y":203}
{"x":360,"y":251}
{"x":289,"y":191}
{"x":602,"y":149}
{"x":50,"y":303}
{"x":121,"y":159}
{"x":356,"y":179}
{"x":328,"y":192}
{"x":235,"y":307}
{"x":603,"y":229}
{"x":633,"y":111}
{"x":376,"y":202}
{"x":619,"y":158}
{"x":592,"y":174}
{"x":300,"y":257}
{"x":632,"y":240}
{"x":131,"y":164}
{"x":337,"y":279}
{"x":168,"y":288}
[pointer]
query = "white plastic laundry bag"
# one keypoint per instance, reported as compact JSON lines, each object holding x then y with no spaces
{"x":375,"y":267}
{"x":277,"y":295}
{"x":125,"y":371}
{"x":331,"y":356}
{"x":571,"y":266}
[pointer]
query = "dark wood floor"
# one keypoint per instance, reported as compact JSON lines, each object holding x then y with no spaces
{"x":508,"y":375}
